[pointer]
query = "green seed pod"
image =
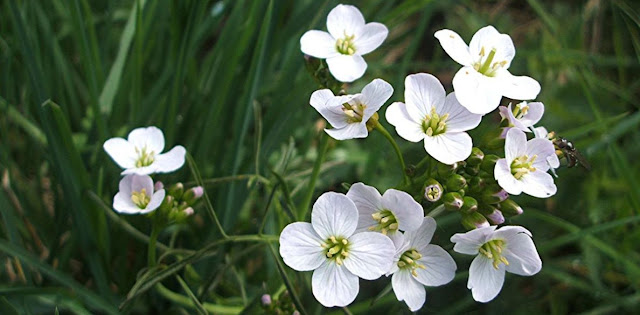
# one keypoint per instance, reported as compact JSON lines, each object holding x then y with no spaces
{"x":452,"y":201}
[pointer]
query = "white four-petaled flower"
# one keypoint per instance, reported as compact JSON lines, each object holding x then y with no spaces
{"x":484,"y":77}
{"x":329,"y":246}
{"x":136,"y":195}
{"x":437,"y":118}
{"x":347,"y":40}
{"x":523,"y":116}
{"x":395,"y":210}
{"x":348,"y":114}
{"x":509,"y":248}
{"x":418,"y":263}
{"x":525,"y":166}
{"x":140,"y":152}
{"x":553,"y":160}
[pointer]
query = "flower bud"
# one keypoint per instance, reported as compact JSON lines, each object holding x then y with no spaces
{"x":476,"y":157}
{"x":496,"y":143}
{"x":474,"y":221}
{"x":176,"y":190}
{"x":192,"y":195}
{"x":266,"y":299}
{"x":158,"y":185}
{"x":188,"y":211}
{"x":472,"y":170}
{"x":167,"y":204}
{"x":492,"y":214}
{"x":433,"y":190}
{"x":469,"y":204}
{"x":444,"y":170}
{"x":510,"y":208}
{"x":489,"y":163}
{"x":477,"y":183}
{"x":456,"y":182}
{"x":452,"y":201}
{"x":494,"y":194}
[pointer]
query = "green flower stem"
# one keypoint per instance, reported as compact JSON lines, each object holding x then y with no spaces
{"x":387,"y":135}
{"x":188,"y":302}
{"x":212,"y":213}
{"x":151,"y":253}
{"x":436,"y":212}
{"x":304,"y":206}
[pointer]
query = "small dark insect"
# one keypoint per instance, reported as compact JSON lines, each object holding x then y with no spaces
{"x":571,"y":153}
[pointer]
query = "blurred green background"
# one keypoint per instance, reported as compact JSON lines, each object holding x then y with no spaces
{"x":227,"y":80}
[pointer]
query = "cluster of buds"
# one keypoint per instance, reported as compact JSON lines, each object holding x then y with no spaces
{"x":278,"y":305}
{"x":469,"y":188}
{"x":178,"y":204}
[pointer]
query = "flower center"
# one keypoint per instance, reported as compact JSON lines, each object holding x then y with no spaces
{"x":354,"y":112}
{"x":493,"y":250}
{"x":345,"y":45}
{"x":488,"y":67}
{"x":337,"y":249}
{"x":520,"y":110}
{"x":409,"y":260}
{"x":434,"y":124}
{"x":387,"y":222}
{"x":140,"y":198}
{"x":145,"y":158}
{"x":523,"y":165}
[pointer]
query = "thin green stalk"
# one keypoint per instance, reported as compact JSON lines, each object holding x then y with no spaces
{"x":304,"y":206}
{"x":436,"y":212}
{"x":387,"y":135}
{"x":151,"y":254}
{"x":196,"y":174}
{"x":186,"y":301}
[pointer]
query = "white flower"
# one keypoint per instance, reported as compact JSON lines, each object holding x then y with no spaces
{"x":553,"y":160}
{"x":509,"y":248}
{"x":329,"y":246}
{"x":441,"y":121}
{"x":525,"y":166}
{"x":348,"y":39}
{"x":418,"y":263}
{"x":140,"y":153}
{"x":395,"y":210}
{"x":523,"y":116}
{"x":348,"y":114}
{"x":136,"y":195}
{"x":484,"y":77}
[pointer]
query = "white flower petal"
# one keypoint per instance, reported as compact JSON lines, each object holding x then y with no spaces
{"x":407,"y":211}
{"x":125,"y":185}
{"x":122,"y":203}
{"x":334,"y":214}
{"x":506,"y":180}
{"x":518,"y":87}
{"x":477,"y":93}
{"x":370,"y":255}
{"x":398,"y":116}
{"x":350,"y":131}
{"x":318,"y":44}
{"x":155,"y":202}
{"x":301,"y":247}
{"x":469,"y":242}
{"x":344,"y":20}
{"x":150,"y":137}
{"x":454,"y":46}
{"x":515,"y":145}
{"x":374,"y":95}
{"x":330,"y":107}
{"x":460,"y":119}
{"x":553,"y":161}
{"x":370,"y":37}
{"x":538,"y":184}
{"x":170,"y":161}
{"x":140,"y":182}
{"x":368,"y":201}
{"x":533,"y":115}
{"x":440,"y":266}
{"x":334,"y":285}
{"x":146,"y":170}
{"x":421,"y":238}
{"x":449,"y":147}
{"x":409,"y":290}
{"x":485,"y":281}
{"x":489,"y":38}
{"x":422,"y":92}
{"x":520,"y":250}
{"x":347,"y":68}
{"x":121,"y":151}
{"x":542,"y":148}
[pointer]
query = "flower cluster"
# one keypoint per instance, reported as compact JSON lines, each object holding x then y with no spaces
{"x":367,"y":234}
